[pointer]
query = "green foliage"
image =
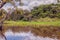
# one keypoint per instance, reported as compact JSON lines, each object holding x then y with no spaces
{"x":2,"y":13}
{"x":43,"y":11}
{"x":16,"y":15}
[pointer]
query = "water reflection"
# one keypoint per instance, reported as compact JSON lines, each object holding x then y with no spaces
{"x":2,"y":38}
{"x":24,"y":36}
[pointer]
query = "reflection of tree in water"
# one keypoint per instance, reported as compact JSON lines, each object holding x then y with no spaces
{"x":2,"y":36}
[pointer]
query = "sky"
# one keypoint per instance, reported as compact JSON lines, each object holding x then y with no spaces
{"x":28,"y":4}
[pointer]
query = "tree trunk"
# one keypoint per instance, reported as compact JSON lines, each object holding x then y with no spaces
{"x":1,"y":25}
{"x":2,"y":21}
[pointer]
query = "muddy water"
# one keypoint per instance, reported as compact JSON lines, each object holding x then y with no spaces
{"x":31,"y":33}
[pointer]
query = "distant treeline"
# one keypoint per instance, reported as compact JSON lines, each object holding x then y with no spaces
{"x":43,"y":11}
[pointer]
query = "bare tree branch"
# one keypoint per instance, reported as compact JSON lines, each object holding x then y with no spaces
{"x":2,"y":3}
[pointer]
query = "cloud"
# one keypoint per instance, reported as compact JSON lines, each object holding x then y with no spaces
{"x":8,"y":7}
{"x":28,"y":4}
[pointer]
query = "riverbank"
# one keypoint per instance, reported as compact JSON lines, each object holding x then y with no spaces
{"x":31,"y":23}
{"x":44,"y":29}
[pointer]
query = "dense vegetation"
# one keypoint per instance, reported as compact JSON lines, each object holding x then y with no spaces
{"x":43,"y":11}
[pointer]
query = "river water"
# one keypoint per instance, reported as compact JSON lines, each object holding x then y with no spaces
{"x":10,"y":35}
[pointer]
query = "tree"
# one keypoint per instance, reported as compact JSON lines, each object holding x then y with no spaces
{"x":2,"y":19}
{"x":2,"y":2}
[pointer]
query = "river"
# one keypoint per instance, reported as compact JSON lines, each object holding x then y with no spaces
{"x":27,"y":33}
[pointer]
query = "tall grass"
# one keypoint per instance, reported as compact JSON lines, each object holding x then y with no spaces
{"x":32,"y":23}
